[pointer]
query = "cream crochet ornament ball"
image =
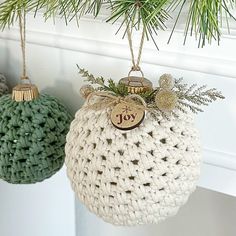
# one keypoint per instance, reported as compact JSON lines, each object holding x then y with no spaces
{"x":140,"y":176}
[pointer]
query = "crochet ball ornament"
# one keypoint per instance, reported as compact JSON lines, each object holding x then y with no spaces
{"x":32,"y":138}
{"x":140,"y":176}
{"x":3,"y":86}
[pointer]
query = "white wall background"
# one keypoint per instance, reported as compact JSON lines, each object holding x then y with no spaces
{"x":43,"y":209}
{"x":47,"y":209}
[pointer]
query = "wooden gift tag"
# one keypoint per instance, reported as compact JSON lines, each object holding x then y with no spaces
{"x":126,"y":117}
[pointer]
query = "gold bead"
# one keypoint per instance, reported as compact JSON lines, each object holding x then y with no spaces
{"x":166,"y":100}
{"x":166,"y":81}
{"x":85,"y":90}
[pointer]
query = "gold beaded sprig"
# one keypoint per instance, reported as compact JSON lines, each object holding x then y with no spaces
{"x":166,"y":99}
{"x":166,"y":81}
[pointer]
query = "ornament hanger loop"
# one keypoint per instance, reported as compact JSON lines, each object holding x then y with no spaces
{"x":25,"y":91}
{"x":136,"y":84}
{"x":135,"y":66}
{"x":130,"y":78}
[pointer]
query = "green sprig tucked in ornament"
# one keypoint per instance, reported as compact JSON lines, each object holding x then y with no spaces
{"x":204,"y":18}
{"x":118,"y":89}
{"x":171,"y":94}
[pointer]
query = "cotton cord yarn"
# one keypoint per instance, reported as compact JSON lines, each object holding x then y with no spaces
{"x":3,"y":86}
{"x":135,"y":177}
{"x":32,"y":138}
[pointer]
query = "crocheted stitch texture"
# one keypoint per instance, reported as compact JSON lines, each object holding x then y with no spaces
{"x":32,"y":138}
{"x":132,"y":177}
{"x":3,"y":86}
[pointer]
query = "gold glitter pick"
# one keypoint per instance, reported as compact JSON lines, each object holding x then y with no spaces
{"x":166,"y":100}
{"x":166,"y":81}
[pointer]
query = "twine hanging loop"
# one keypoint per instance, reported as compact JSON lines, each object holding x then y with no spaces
{"x":136,"y":84}
{"x":136,"y":63}
{"x":24,"y":91}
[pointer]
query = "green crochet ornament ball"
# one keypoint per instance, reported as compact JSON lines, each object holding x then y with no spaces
{"x":32,"y":138}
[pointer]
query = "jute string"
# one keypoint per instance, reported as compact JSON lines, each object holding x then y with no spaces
{"x":106,"y":99}
{"x":24,"y":91}
{"x":136,"y":64}
{"x":22,"y":26}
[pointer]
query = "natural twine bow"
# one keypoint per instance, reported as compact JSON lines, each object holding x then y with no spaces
{"x":107,"y":100}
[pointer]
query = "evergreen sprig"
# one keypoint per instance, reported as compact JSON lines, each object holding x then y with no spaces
{"x":117,"y":89}
{"x":189,"y":97}
{"x":90,"y":78}
{"x":192,"y":97}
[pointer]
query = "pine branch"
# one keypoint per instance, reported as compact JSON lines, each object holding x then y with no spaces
{"x":9,"y":11}
{"x":205,"y":18}
{"x":149,"y":14}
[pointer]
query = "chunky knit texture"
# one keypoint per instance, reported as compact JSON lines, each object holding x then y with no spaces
{"x":3,"y":86}
{"x":32,"y":138}
{"x":140,"y":176}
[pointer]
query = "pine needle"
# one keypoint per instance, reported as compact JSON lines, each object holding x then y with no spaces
{"x":204,"y":18}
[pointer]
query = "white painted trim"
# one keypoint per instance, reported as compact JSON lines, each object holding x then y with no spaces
{"x":220,"y":159}
{"x":225,"y":32}
{"x":189,"y":62}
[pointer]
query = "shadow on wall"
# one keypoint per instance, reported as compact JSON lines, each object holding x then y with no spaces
{"x":9,"y":67}
{"x":64,"y":91}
